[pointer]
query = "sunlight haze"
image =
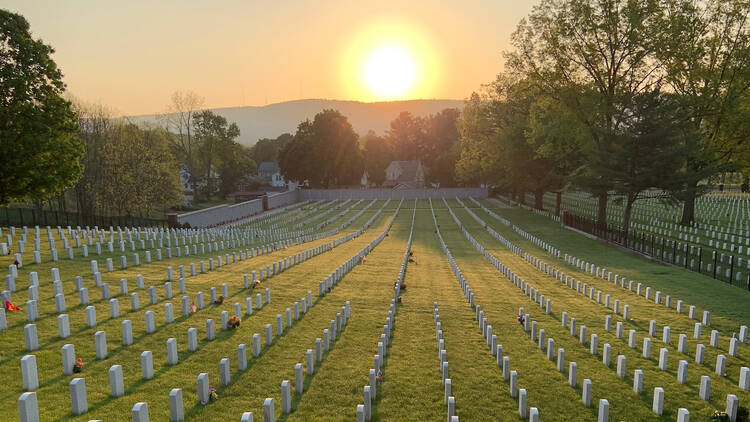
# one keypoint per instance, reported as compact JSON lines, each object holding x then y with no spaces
{"x":132,"y":55}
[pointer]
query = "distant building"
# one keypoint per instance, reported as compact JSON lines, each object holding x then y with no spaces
{"x":404,"y":175}
{"x":270,"y":172}
{"x":187,"y":187}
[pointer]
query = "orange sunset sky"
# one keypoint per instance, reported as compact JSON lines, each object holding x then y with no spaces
{"x":131,"y":55}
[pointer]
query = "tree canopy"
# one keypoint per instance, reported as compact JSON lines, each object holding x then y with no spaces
{"x":40,"y":152}
{"x":614,"y":98}
{"x":324,"y":152}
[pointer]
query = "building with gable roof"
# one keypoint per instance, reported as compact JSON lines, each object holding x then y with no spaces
{"x":404,"y":175}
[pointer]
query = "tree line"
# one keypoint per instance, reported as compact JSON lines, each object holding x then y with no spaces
{"x":615,"y":98}
{"x":327,"y":152}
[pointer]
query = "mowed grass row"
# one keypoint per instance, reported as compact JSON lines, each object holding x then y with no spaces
{"x":706,"y":293}
{"x":53,"y":395}
{"x":591,"y":314}
{"x":412,"y":389}
{"x":645,"y":309}
{"x":712,"y":290}
{"x":265,"y":374}
{"x":80,"y":265}
{"x":153,"y":274}
{"x":336,"y":387}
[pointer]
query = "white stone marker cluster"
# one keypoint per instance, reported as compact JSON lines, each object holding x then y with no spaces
{"x":448,"y":399}
{"x":375,"y":375}
{"x":503,"y":362}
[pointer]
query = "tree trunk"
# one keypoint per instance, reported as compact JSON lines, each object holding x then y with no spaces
{"x":688,"y":210}
{"x":626,"y":217}
{"x":539,"y":199}
{"x":522,"y":197}
{"x":601,"y":218}
{"x":558,"y":201}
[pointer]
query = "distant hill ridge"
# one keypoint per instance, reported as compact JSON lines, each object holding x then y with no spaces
{"x":272,"y":120}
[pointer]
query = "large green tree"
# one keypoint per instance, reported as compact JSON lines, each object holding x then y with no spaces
{"x":500,"y":141}
{"x":39,"y":151}
{"x":433,"y":140}
{"x":138,"y":172}
{"x":649,"y":151}
{"x":479,"y":160}
{"x":603,"y":50}
{"x":215,"y":139}
{"x":704,"y":49}
{"x":377,"y":155}
{"x":406,"y":137}
{"x":235,"y":163}
{"x":324,"y":152}
{"x":267,"y":149}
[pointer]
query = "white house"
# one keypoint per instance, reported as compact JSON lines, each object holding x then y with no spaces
{"x":404,"y":175}
{"x":270,"y":172}
{"x":187,"y":187}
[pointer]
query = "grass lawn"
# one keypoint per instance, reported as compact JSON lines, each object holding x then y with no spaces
{"x":411,"y":389}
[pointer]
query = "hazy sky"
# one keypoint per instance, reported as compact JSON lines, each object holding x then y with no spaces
{"x":132,"y":54}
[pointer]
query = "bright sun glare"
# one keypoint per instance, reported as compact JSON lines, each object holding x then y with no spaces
{"x":390,"y":71}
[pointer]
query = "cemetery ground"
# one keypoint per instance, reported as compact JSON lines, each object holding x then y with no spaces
{"x":412,"y":387}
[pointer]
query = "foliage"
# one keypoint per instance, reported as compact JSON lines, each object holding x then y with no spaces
{"x":502,"y":137}
{"x":235,"y":164}
{"x":433,"y":140}
{"x":600,"y":51}
{"x":323,"y":152}
{"x":40,"y":153}
{"x":377,"y":154}
{"x":704,"y":49}
{"x":94,"y":126}
{"x":138,"y":172}
{"x":650,"y":151}
{"x":220,"y":156}
{"x":480,"y":154}
{"x":268,"y":149}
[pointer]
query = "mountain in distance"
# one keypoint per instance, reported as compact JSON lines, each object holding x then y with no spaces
{"x":270,"y":121}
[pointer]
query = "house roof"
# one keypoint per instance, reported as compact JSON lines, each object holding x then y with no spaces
{"x":408,"y":170}
{"x":268,"y":167}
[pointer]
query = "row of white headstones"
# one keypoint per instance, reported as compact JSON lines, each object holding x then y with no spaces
{"x":682,"y":372}
{"x":27,"y":402}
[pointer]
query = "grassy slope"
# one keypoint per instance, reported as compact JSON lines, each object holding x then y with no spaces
{"x":411,"y":389}
{"x":592,"y":314}
{"x":704,"y":292}
{"x":53,"y":395}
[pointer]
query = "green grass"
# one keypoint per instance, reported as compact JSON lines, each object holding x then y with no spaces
{"x":624,"y":403}
{"x":724,"y":301}
{"x":412,"y":388}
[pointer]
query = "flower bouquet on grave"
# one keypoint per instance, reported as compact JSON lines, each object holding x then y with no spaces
{"x":234,"y":321}
{"x":212,"y":396}
{"x":78,"y":366}
{"x":219,"y":300}
{"x":720,"y":416}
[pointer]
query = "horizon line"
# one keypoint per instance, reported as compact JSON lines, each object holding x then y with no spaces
{"x":300,"y":100}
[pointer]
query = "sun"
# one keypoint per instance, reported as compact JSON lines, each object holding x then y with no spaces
{"x":390,"y":72}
